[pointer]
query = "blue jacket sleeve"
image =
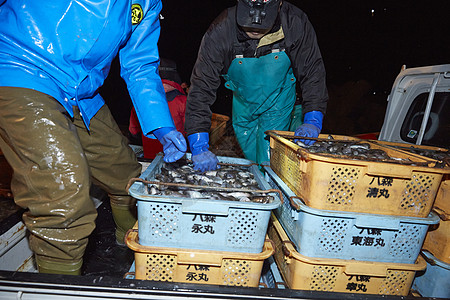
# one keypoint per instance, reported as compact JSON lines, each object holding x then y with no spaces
{"x":139,"y":60}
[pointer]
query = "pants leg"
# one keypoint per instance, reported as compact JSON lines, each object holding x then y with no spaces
{"x":273,"y":119}
{"x":51,"y":177}
{"x":112,"y":163}
{"x":245,"y":135}
{"x":245,"y":128}
{"x":296,"y":117}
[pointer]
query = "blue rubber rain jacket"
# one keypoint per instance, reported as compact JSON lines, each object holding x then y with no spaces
{"x":65,"y":49}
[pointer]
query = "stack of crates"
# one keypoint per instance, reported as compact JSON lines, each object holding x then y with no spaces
{"x":435,"y":280}
{"x":350,"y":225}
{"x":200,"y":240}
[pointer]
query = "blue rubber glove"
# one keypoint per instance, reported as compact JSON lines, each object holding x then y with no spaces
{"x":174,"y":143}
{"x":203,"y":159}
{"x":311,"y":127}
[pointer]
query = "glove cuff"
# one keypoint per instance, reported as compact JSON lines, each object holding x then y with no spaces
{"x":314,"y":118}
{"x":162,"y":131}
{"x":198,"y":142}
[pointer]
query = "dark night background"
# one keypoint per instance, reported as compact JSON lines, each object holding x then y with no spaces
{"x":364,"y":44}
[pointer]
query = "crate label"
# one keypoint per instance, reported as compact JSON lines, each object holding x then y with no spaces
{"x":197,"y":273}
{"x":368,"y":237}
{"x":379,"y":188}
{"x":199,"y":225}
{"x":358,"y":283}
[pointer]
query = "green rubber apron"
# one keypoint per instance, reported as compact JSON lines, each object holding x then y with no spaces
{"x":263,"y":99}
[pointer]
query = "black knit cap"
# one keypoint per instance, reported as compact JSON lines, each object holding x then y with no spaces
{"x":168,"y":70}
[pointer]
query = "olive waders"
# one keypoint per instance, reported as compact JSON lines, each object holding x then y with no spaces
{"x":55,"y":159}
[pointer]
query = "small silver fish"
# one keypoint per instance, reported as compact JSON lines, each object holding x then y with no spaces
{"x":194,"y":194}
{"x":211,"y":173}
{"x":239,"y":194}
{"x":301,"y":144}
{"x":152,"y":190}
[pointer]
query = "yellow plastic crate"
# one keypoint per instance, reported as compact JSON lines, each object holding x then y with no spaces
{"x":437,"y":240}
{"x":339,"y":275}
{"x":197,"y":266}
{"x":331,"y":182}
{"x":443,"y":193}
{"x":218,"y":128}
{"x":442,"y":199}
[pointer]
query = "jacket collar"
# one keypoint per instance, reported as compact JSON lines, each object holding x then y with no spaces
{"x":271,"y":38}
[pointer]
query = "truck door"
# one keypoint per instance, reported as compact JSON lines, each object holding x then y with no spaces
{"x":418,"y":93}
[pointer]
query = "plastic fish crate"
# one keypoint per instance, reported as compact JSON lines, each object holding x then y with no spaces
{"x":359,"y":236}
{"x":338,"y":275}
{"x":443,"y":193}
{"x":442,"y":199}
{"x":435,"y":281}
{"x":437,"y":240}
{"x":218,"y":128}
{"x":205,"y":224}
{"x":271,"y":276}
{"x":197,"y":266}
{"x":338,"y":183}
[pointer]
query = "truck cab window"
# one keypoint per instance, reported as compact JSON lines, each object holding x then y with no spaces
{"x":438,"y":126}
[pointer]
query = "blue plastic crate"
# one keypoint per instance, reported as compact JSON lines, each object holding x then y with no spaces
{"x":435,"y":281}
{"x":271,"y":276}
{"x":348,"y":235}
{"x":204,"y":224}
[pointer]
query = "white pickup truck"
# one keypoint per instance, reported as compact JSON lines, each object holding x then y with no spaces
{"x":418,"y":112}
{"x":418,"y":109}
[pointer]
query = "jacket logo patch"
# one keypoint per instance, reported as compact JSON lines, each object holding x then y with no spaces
{"x":136,"y":14}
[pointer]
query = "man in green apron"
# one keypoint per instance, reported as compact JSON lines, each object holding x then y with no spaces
{"x":261,"y":48}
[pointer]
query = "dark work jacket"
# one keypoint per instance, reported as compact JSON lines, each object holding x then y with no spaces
{"x":224,"y":40}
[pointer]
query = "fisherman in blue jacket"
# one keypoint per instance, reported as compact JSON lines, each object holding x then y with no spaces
{"x":55,"y":129}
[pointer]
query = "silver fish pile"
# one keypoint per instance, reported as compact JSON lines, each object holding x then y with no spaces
{"x":234,"y":177}
{"x":442,"y":157}
{"x":352,"y":150}
{"x":434,"y":154}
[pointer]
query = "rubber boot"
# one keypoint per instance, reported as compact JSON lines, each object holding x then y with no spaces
{"x":51,"y":266}
{"x":124,"y":218}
